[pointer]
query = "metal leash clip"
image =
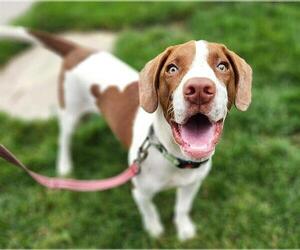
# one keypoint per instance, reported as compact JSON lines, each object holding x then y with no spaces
{"x":143,"y":152}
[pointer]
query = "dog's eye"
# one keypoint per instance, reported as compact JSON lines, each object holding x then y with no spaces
{"x":223,"y":66}
{"x":172,"y":69}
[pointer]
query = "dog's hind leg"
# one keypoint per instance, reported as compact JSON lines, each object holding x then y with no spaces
{"x":67,"y":123}
{"x":76,"y":104}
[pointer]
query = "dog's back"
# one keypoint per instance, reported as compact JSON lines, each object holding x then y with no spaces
{"x":89,"y":81}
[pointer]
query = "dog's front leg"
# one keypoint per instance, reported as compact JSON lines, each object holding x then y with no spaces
{"x":184,"y":199}
{"x":148,"y":211}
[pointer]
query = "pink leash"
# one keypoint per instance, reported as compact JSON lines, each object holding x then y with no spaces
{"x":72,"y":184}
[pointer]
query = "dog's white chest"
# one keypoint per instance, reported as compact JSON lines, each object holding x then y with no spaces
{"x":157,"y":173}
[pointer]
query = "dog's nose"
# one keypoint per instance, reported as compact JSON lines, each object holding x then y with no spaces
{"x":199,"y":90}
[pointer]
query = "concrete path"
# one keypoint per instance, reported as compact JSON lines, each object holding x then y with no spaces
{"x":10,"y":9}
{"x":28,"y":84}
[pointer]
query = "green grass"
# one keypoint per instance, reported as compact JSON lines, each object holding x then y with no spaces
{"x":250,"y":199}
{"x":105,"y":15}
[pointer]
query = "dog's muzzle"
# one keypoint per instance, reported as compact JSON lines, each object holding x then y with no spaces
{"x":197,"y":134}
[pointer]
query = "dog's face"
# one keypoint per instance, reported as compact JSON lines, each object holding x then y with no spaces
{"x":195,"y":84}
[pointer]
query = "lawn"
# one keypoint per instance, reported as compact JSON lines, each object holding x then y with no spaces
{"x":251,"y":197}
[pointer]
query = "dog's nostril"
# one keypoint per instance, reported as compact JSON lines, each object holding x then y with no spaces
{"x":190,"y":90}
{"x":209,"y":90}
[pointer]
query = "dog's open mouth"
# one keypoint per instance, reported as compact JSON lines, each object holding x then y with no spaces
{"x":198,"y":136}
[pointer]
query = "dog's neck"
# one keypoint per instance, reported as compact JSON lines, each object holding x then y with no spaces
{"x":164,"y":134}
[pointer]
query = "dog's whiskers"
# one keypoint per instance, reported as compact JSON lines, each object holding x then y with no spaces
{"x":170,"y":110}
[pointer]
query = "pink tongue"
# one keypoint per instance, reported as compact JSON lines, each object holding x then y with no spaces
{"x":197,"y":132}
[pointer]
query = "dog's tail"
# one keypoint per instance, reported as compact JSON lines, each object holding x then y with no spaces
{"x":55,"y":43}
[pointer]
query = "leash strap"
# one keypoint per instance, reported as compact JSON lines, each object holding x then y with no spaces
{"x":104,"y":184}
{"x":72,"y":184}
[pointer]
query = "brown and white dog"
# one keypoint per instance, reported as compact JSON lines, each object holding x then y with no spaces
{"x":185,"y":93}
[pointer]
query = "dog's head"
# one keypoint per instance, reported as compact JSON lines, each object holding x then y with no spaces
{"x":195,"y":84}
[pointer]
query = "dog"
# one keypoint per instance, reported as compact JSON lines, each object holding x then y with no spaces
{"x":179,"y":101}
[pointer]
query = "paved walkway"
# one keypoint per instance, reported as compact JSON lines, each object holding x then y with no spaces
{"x":10,"y":9}
{"x":28,"y":83}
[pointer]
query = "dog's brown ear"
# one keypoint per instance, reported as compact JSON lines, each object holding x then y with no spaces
{"x":149,"y":80}
{"x":243,"y":79}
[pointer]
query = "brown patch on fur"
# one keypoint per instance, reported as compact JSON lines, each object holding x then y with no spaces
{"x":70,"y":61}
{"x":157,"y":84}
{"x":60,"y":89}
{"x":119,"y":109}
{"x":237,"y":78}
{"x":149,"y":79}
{"x":55,"y":43}
{"x":182,"y":56}
{"x":76,"y":57}
{"x":243,"y":71}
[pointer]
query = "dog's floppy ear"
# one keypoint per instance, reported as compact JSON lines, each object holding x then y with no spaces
{"x":243,"y":78}
{"x":149,"y":79}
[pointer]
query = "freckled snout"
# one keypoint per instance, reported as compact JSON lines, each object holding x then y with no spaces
{"x":199,"y":90}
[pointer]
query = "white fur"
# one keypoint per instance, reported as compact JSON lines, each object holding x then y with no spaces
{"x":156,"y":172}
{"x":201,"y":68}
{"x":106,"y":69}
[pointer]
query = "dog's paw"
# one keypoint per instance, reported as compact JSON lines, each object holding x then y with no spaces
{"x":185,"y":228}
{"x":154,"y":228}
{"x":64,"y":167}
{"x":64,"y":171}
